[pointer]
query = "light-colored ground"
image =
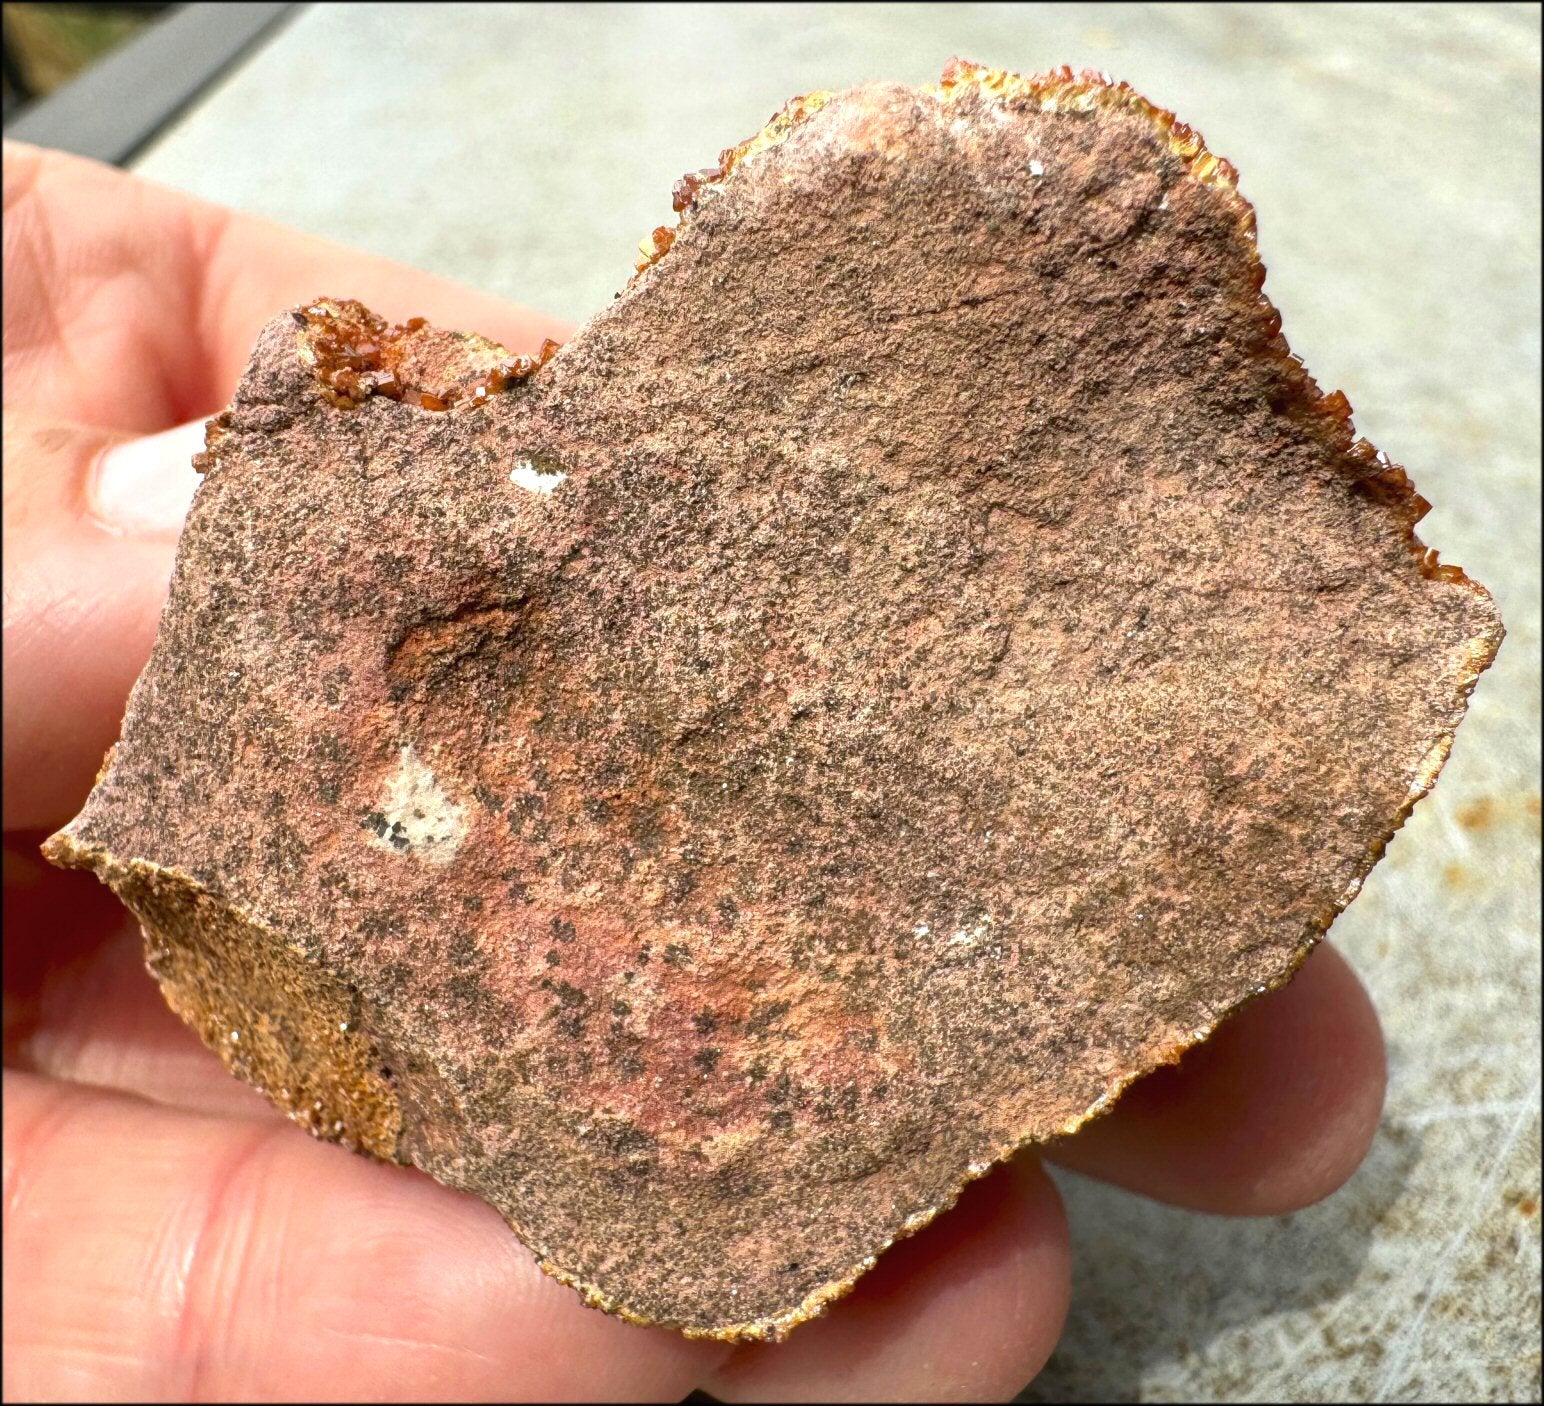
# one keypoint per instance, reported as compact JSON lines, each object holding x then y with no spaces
{"x":1393,"y":155}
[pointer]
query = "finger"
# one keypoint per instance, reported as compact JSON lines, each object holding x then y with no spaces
{"x":967,"y":1310}
{"x":133,"y":307}
{"x":154,"y":1255}
{"x":1271,"y":1114}
{"x":88,"y":555}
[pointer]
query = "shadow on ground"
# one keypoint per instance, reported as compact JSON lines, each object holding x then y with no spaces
{"x":1157,"y":1291}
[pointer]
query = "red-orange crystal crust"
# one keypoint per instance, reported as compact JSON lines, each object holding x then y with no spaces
{"x":915,"y":663}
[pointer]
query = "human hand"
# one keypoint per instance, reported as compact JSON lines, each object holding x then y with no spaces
{"x":167,"y":1232}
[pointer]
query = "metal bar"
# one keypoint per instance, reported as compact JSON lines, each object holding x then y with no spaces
{"x":113,"y":109}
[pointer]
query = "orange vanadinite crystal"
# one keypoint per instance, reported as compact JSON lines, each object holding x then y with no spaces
{"x":359,"y":354}
{"x":685,"y":192}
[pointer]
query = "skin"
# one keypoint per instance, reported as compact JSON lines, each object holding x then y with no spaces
{"x":167,"y":1233}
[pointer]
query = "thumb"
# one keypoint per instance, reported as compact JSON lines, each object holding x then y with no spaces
{"x":91,"y":526}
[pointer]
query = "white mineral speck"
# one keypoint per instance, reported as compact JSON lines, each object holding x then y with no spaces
{"x":421,"y":820}
{"x":527,"y":475}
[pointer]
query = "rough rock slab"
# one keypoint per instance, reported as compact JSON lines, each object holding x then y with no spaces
{"x":913,"y":664}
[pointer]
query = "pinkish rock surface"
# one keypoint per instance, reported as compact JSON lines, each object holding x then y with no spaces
{"x":912,"y":665}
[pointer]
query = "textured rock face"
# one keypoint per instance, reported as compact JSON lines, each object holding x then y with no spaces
{"x":913,"y":664}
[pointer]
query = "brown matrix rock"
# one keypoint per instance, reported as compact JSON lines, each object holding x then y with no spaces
{"x":913,"y":664}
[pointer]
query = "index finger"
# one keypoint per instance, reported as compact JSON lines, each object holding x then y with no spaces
{"x":133,"y":307}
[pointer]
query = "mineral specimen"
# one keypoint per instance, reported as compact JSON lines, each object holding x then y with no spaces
{"x":912,"y":665}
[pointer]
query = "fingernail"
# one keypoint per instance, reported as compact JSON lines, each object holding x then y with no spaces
{"x":142,"y":487}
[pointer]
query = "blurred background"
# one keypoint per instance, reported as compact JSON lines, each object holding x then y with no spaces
{"x":1392,"y":153}
{"x":47,"y":45}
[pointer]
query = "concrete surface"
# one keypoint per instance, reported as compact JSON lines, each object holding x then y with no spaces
{"x":1393,"y":155}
